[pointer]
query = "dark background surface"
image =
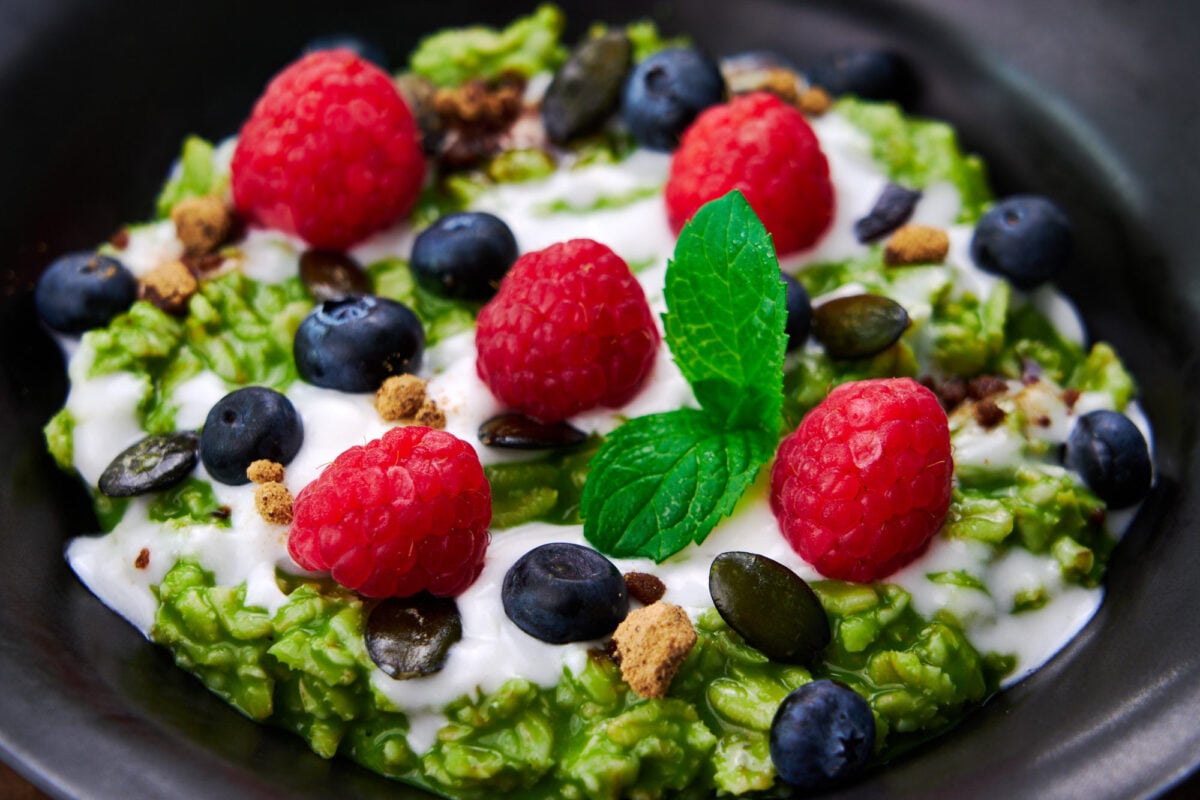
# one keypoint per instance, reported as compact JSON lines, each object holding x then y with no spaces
{"x":1090,"y":103}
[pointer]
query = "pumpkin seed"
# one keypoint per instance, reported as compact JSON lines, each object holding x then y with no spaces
{"x":770,"y":606}
{"x":585,"y":90}
{"x":519,"y":432}
{"x":859,"y":326}
{"x":411,"y":636}
{"x":332,"y":276}
{"x":157,"y":462}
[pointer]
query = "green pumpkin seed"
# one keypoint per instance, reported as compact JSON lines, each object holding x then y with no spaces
{"x":411,"y":636}
{"x":586,"y":88}
{"x":770,"y":606}
{"x":859,"y":326}
{"x":332,"y":276}
{"x":159,"y":461}
{"x":519,"y":432}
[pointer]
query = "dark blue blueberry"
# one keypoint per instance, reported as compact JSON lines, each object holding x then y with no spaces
{"x":823,"y":732}
{"x":563,"y":592}
{"x":353,"y":344}
{"x":866,"y":73}
{"x":464,"y":255}
{"x":1025,"y":238}
{"x":365,"y":48}
{"x":1111,"y":454}
{"x":245,"y":425}
{"x":81,"y":291}
{"x":666,"y":92}
{"x":892,"y":209}
{"x":799,"y":313}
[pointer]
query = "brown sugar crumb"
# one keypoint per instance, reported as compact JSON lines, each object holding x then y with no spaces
{"x":265,"y":471}
{"x":120,"y":239}
{"x":916,"y":244}
{"x":950,"y":393}
{"x":988,"y":414}
{"x":207,"y":262}
{"x":143,"y":559}
{"x":814,"y":101}
{"x":430,"y":416}
{"x":274,"y":502}
{"x":986,"y":386}
{"x":471,"y":119}
{"x":1070,"y":397}
{"x":201,"y":224}
{"x":400,"y":397}
{"x":169,"y":287}
{"x":651,"y":644}
{"x":644,"y":587}
{"x":478,"y":103}
{"x":223,"y":513}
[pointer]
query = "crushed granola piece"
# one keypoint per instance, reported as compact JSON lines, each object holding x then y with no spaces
{"x":169,"y":286}
{"x":1070,"y":397}
{"x":814,"y":101}
{"x":265,"y":471}
{"x":274,"y":502}
{"x":400,"y":397}
{"x":988,"y":414}
{"x":916,"y":244}
{"x":473,"y":118}
{"x":201,"y":224}
{"x":985,"y":386}
{"x":430,"y":416}
{"x":651,"y":644}
{"x":644,"y":587}
{"x":120,"y":239}
{"x":143,"y":559}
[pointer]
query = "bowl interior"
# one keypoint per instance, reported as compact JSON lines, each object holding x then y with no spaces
{"x":98,"y":96}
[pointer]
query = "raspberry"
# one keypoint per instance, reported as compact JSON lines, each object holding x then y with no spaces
{"x":331,"y":152}
{"x":402,"y":514}
{"x":569,"y":330}
{"x":763,"y":147}
{"x":864,"y":482}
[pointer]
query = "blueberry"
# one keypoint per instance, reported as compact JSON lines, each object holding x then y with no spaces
{"x":1111,"y":454}
{"x":666,"y":92}
{"x":353,"y":344}
{"x":563,"y":592}
{"x":799,"y":313}
{"x":81,"y":291}
{"x":245,"y":425}
{"x":1025,"y":238}
{"x":361,"y":47}
{"x":464,"y":255}
{"x":822,"y":732}
{"x":871,"y":74}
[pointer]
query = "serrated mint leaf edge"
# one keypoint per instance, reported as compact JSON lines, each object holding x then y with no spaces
{"x":733,"y":361}
{"x":712,"y":471}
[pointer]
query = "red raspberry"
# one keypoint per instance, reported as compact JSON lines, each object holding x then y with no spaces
{"x":569,"y":330}
{"x":404,"y":513}
{"x":764,"y":147}
{"x":331,"y":152}
{"x":864,"y":482}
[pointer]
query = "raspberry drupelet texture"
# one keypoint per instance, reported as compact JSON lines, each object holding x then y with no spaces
{"x":864,"y":482}
{"x":569,"y":330}
{"x":405,"y":513}
{"x":764,"y":147}
{"x":331,"y":152}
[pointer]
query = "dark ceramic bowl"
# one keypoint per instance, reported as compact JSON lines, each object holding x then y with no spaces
{"x":1092,"y":103}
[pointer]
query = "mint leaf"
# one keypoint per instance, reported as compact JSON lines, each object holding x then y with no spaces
{"x":663,"y":481}
{"x":727,"y":314}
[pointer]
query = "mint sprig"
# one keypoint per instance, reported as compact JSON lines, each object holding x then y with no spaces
{"x":663,"y":481}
